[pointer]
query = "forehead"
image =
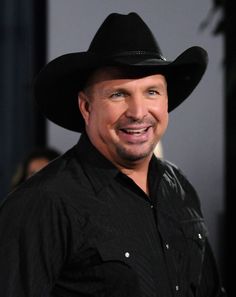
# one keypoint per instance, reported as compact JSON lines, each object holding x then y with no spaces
{"x":112,"y":73}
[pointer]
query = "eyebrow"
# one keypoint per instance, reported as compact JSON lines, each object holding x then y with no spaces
{"x":157,"y":86}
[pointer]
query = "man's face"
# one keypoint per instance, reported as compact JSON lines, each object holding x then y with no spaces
{"x":125,"y":117}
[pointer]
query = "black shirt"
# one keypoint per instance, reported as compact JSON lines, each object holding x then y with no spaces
{"x":80,"y":227}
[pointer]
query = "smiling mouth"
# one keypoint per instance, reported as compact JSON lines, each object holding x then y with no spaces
{"x":135,"y":131}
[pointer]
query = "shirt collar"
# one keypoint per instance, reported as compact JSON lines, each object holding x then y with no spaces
{"x":100,"y":171}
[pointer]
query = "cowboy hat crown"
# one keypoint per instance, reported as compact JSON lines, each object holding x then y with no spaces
{"x":121,"y":40}
{"x":120,"y":34}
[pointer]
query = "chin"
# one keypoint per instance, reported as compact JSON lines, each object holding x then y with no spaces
{"x":133,"y":156}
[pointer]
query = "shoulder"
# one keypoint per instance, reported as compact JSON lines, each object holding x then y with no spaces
{"x":56,"y":185}
{"x":173,"y":172}
{"x":176,"y":181}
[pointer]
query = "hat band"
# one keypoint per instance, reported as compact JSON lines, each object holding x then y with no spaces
{"x":138,"y":53}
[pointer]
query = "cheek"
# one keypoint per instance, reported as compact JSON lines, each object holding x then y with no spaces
{"x":104,"y":115}
{"x":109,"y":112}
{"x":160,"y":111}
{"x":164,"y":119}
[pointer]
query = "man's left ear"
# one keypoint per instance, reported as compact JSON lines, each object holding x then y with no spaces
{"x":84,"y":106}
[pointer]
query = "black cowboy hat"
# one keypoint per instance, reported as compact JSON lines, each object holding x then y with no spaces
{"x":122,"y":40}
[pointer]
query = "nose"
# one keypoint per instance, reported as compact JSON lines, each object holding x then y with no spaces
{"x":136,"y":107}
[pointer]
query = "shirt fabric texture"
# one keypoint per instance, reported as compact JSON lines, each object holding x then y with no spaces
{"x":79,"y":227}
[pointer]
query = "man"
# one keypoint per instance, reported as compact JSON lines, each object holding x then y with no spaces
{"x":108,"y":218}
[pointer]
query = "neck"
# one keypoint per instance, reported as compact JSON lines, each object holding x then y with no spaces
{"x":138,"y":174}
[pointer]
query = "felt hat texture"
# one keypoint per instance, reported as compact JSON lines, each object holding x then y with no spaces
{"x":124,"y":41}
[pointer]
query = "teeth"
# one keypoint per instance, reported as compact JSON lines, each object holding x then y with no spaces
{"x":132,"y":131}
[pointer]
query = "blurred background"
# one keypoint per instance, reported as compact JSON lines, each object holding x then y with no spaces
{"x":201,"y":134}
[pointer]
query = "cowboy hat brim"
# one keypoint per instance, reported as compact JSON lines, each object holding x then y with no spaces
{"x":58,"y":83}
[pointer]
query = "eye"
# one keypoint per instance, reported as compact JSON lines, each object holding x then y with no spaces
{"x":117,"y":95}
{"x":153,"y":92}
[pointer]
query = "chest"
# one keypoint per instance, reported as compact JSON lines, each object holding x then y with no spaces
{"x":152,"y":247}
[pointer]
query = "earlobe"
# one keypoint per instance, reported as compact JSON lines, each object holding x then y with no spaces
{"x":84,"y":106}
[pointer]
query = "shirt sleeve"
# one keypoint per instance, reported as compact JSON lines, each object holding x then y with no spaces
{"x":210,"y":282}
{"x":34,"y":242}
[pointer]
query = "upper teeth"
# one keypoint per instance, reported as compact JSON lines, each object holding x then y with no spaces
{"x":135,"y":130}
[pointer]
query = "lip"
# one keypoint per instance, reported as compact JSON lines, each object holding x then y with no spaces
{"x":135,"y":134}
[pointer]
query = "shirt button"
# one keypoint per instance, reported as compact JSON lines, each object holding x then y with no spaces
{"x":199,"y":235}
{"x":151,"y":206}
{"x":127,"y":254}
{"x":176,"y":288}
{"x":167,"y":246}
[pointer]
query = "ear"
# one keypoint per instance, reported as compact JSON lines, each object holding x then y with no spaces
{"x":84,"y":106}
